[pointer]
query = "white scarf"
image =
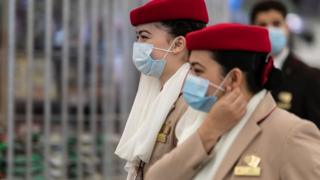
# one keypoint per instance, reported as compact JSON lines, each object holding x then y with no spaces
{"x":148,"y":113}
{"x":187,"y":127}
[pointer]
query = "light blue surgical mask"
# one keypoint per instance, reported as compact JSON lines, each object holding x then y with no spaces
{"x":278,"y":39}
{"x":195,"y":92}
{"x":145,"y":63}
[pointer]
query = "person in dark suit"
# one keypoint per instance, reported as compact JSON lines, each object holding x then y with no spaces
{"x":300,"y":91}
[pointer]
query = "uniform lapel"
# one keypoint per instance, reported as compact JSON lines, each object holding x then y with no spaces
{"x":247,"y":134}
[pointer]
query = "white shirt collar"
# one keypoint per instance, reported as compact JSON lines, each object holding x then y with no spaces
{"x":280,"y":58}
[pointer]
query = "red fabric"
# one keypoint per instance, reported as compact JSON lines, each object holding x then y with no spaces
{"x":266,"y":71}
{"x":230,"y":36}
{"x":161,"y":10}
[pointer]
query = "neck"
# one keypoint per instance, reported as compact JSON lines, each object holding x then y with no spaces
{"x":247,"y":94}
{"x":168,"y":72}
{"x":171,"y":68}
{"x":280,"y":58}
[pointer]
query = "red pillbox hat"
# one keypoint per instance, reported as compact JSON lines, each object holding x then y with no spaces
{"x":162,"y":10}
{"x":230,"y":36}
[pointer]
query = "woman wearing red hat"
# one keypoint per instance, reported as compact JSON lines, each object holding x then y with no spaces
{"x":160,"y":54}
{"x":266,"y":143}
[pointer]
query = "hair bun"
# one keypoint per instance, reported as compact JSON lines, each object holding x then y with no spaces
{"x":275,"y":79}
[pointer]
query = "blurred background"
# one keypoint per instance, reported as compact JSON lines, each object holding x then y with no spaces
{"x":67,"y":80}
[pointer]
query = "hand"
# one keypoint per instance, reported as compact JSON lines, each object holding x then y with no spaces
{"x":223,"y":116}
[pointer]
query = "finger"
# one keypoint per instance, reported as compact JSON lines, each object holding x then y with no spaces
{"x":241,"y":110}
{"x":237,"y":100}
{"x":236,"y":94}
{"x":233,"y":95}
{"x":226,"y":93}
{"x":228,"y":89}
{"x":243,"y":105}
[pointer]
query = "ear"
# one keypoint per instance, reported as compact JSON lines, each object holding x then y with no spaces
{"x":236,"y":78}
{"x":179,"y":44}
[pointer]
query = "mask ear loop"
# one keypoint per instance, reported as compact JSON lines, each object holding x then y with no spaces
{"x":166,"y":50}
{"x":220,"y":86}
{"x":216,"y":86}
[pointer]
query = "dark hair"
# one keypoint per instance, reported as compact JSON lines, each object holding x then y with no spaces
{"x":182,"y":27}
{"x":252,"y":64}
{"x":267,"y":6}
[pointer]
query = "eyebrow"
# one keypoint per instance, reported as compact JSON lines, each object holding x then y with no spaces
{"x":196,"y":63}
{"x":143,"y":31}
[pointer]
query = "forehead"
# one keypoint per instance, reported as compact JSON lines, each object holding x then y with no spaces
{"x":154,"y":27}
{"x":268,"y":16}
{"x":200,"y":56}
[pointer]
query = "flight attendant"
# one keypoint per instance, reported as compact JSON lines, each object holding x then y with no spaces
{"x":266,"y":143}
{"x":160,"y":54}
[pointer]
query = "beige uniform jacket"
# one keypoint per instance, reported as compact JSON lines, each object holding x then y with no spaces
{"x":289,"y":149}
{"x":166,"y":140}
